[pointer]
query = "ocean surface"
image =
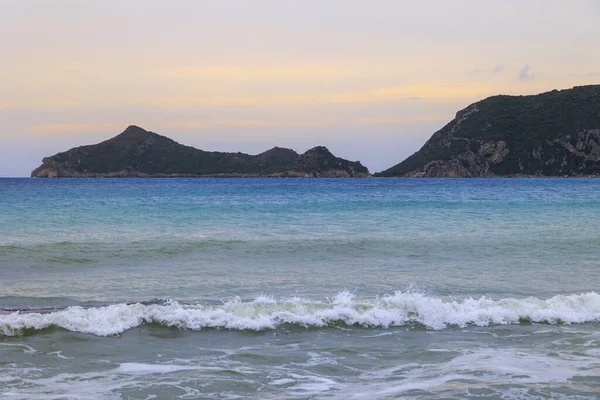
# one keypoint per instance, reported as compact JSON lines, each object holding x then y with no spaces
{"x":300,"y":288}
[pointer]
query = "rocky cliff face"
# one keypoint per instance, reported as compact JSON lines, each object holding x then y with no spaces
{"x":550,"y":134}
{"x":139,"y":153}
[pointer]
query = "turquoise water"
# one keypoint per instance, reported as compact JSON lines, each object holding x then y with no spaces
{"x":299,"y":288}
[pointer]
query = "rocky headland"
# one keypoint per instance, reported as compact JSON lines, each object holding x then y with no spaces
{"x":550,"y":134}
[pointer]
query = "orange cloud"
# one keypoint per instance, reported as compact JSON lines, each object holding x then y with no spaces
{"x":269,"y":72}
{"x":399,"y":121}
{"x":216,"y":124}
{"x":394,"y":93}
{"x":200,"y":125}
{"x":190,"y":125}
{"x":203,"y":125}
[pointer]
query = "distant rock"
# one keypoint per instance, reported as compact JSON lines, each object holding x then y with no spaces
{"x":319,"y":161}
{"x":550,"y":134}
{"x":139,"y":153}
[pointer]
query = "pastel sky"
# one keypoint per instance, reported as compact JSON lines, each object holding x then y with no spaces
{"x":370,"y":79}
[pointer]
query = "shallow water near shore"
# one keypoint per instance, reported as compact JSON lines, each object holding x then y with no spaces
{"x":299,"y":288}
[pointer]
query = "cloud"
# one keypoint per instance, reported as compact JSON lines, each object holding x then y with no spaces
{"x":525,"y":73}
{"x":224,"y":125}
{"x":400,"y":121}
{"x":201,"y":124}
{"x":269,"y":73}
{"x":496,"y":69}
{"x":76,"y":127}
{"x":587,"y":74}
{"x":391,"y":93}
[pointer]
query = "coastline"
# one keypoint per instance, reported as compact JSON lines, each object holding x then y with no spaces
{"x":297,"y":175}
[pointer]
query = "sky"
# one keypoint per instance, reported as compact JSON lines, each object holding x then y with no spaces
{"x":370,"y":79}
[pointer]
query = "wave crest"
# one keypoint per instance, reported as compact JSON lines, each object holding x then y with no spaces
{"x":266,"y":312}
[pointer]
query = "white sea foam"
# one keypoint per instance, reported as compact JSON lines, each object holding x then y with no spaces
{"x":481,"y":368}
{"x":59,"y":355}
{"x":400,"y":309}
{"x":20,"y":346}
{"x":140,"y":368}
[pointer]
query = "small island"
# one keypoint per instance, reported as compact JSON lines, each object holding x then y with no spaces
{"x":140,"y":153}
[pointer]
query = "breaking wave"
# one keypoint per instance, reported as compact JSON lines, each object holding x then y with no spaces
{"x":344,"y":309}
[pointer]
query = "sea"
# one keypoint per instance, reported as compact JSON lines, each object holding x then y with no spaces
{"x":299,"y":288}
